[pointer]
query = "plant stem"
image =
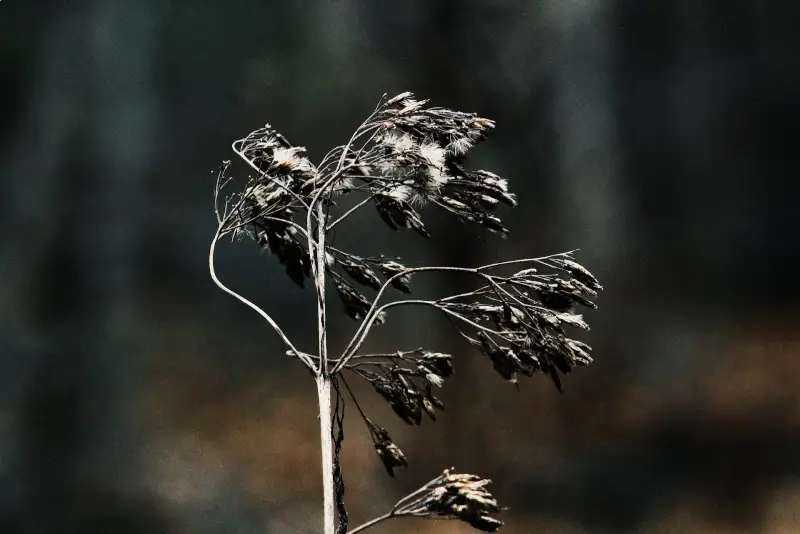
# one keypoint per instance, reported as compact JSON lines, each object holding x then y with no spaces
{"x":323,"y":377}
{"x":325,"y":425}
{"x":319,"y":283}
{"x":213,"y":272}
{"x":372,"y":523}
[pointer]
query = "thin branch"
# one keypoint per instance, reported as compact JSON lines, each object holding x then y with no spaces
{"x":400,"y":354}
{"x":267,"y":217}
{"x":542,"y":260}
{"x":318,"y":264}
{"x":361,"y":204}
{"x":263,"y":173}
{"x":374,"y":311}
{"x":349,"y":212}
{"x":218,"y":188}
{"x":355,"y":401}
{"x":372,"y":523}
{"x":262,"y":313}
{"x":365,"y":128}
{"x":401,"y":508}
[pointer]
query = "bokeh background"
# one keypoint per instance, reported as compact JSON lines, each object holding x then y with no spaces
{"x":656,"y":137}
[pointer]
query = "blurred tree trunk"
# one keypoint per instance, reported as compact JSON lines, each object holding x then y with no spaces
{"x":76,"y":198}
{"x":478,"y":57}
{"x":592,"y":210}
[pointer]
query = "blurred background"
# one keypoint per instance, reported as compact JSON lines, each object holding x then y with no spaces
{"x":653,"y":136}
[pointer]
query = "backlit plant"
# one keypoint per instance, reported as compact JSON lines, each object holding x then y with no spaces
{"x":405,"y":158}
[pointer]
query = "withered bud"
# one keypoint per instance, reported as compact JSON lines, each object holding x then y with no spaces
{"x":398,"y":213}
{"x":361,"y":273}
{"x":392,"y":268}
{"x":356,"y":305}
{"x":579,"y":272}
{"x":390,"y":454}
{"x":464,"y":497}
{"x":440,"y":362}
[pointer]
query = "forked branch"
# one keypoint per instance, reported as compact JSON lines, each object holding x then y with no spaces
{"x":286,"y":341}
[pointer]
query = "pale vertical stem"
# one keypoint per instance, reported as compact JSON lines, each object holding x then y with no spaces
{"x":320,"y":285}
{"x":323,"y":377}
{"x":324,"y":394}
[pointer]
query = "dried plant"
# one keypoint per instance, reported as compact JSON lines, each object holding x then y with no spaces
{"x":405,"y":157}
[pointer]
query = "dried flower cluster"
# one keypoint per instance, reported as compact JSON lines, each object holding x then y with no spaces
{"x":406,"y":380}
{"x":454,"y":495}
{"x":520,"y":322}
{"x":390,"y":454}
{"x":366,"y":272}
{"x":408,"y":155}
{"x":404,"y":157}
{"x":420,"y":154}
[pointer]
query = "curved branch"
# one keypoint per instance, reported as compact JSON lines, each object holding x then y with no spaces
{"x":403,"y":507}
{"x":341,"y":362}
{"x":259,"y":171}
{"x":372,"y":522}
{"x":317,"y":250}
{"x":355,"y":208}
{"x":349,"y":212}
{"x":218,"y":188}
{"x":525,"y":260}
{"x":269,"y":218}
{"x":363,"y":129}
{"x":212,"y":271}
{"x":374,"y":311}
{"x":341,"y":168}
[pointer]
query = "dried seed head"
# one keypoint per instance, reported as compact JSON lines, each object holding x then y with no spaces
{"x":281,"y":240}
{"x":360,"y":272}
{"x":398,"y":142}
{"x":266,"y":209}
{"x":573,"y":320}
{"x":526,"y":317}
{"x":291,"y":159}
{"x":457,"y":496}
{"x":438,"y":361}
{"x":402,"y":96}
{"x":404,"y":405}
{"x":580,"y":273}
{"x":356,"y":305}
{"x":398,"y":213}
{"x":391,"y":269}
{"x":414,"y":159}
{"x":459,"y":146}
{"x":390,"y":454}
{"x":409,"y":390}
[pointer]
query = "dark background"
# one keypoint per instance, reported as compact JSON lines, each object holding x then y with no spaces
{"x":657,"y":137}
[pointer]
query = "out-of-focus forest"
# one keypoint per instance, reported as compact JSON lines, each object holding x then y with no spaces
{"x":653,"y":136}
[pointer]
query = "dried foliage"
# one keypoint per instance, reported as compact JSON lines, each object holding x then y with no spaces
{"x":406,"y":157}
{"x":458,"y":495}
{"x":449,"y":496}
{"x":389,"y":453}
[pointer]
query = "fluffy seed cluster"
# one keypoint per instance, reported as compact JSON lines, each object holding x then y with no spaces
{"x":266,"y":210}
{"x":405,"y":155}
{"x":456,"y":496}
{"x":417,"y":158}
